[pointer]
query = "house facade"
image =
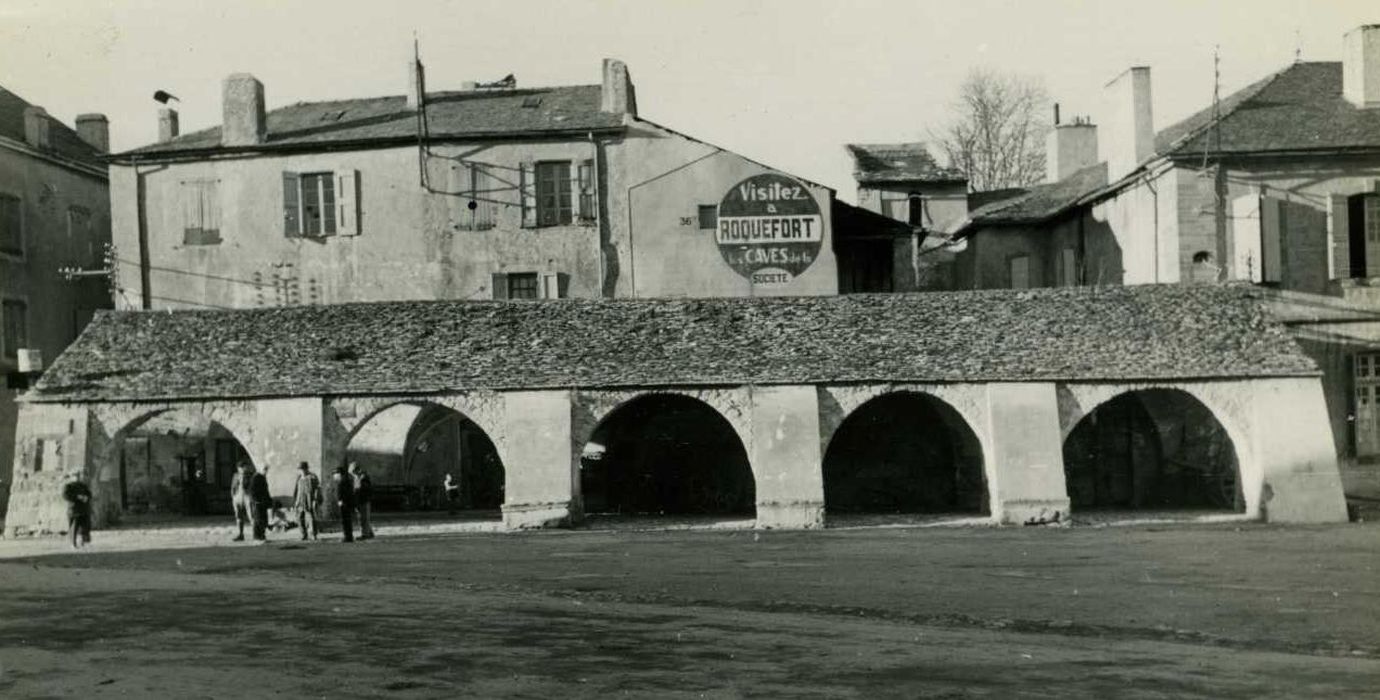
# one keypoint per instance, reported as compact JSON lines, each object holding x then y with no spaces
{"x":54,"y":213}
{"x":1276,"y":185}
{"x":483,"y":193}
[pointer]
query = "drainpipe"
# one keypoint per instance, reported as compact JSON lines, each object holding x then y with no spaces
{"x":141,"y":215}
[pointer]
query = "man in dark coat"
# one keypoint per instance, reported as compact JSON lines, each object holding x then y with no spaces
{"x":345,"y":499}
{"x":259,"y":501}
{"x":78,"y":497}
{"x":364,"y":499}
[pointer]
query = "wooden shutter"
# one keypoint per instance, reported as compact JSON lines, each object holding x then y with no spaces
{"x":527,"y":193}
{"x":292,"y":205}
{"x":499,"y":286}
{"x":550,"y":285}
{"x":210,"y":205}
{"x":1339,"y":235}
{"x":347,"y":202}
{"x":190,"y":193}
{"x":1247,"y":240}
{"x":1272,"y":240}
{"x":577,"y":181}
{"x":589,"y":203}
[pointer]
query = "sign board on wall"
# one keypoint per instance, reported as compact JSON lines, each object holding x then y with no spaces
{"x":770,"y":229}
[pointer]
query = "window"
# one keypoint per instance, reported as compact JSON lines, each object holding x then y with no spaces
{"x":200,"y":212}
{"x":481,"y":209}
{"x":320,"y":204}
{"x":11,"y":225}
{"x":709,"y":216}
{"x":523,"y":285}
{"x":1020,"y":272}
{"x":587,"y":191}
{"x":915,"y":210}
{"x":14,"y":317}
{"x":554,"y":206}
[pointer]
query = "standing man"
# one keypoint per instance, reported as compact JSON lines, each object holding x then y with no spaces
{"x":364,"y":499}
{"x":259,"y":501}
{"x":306,"y":498}
{"x":452,"y":493}
{"x":78,"y":497}
{"x":345,"y":499}
{"x":239,"y":497}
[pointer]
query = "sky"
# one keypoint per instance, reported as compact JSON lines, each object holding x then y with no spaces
{"x":785,"y":82}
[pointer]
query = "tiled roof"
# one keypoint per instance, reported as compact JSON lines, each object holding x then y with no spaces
{"x":852,"y":222}
{"x":1296,"y":109}
{"x":1101,"y":333}
{"x":1299,"y":108}
{"x":449,"y":115}
{"x":898,"y":162}
{"x":1041,"y":202}
{"x":62,"y":140}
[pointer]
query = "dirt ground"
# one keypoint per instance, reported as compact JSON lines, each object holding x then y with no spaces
{"x":1148,"y":612}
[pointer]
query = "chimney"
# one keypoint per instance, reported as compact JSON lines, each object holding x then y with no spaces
{"x":1129,"y":129}
{"x":618,"y":94}
{"x":1361,"y":66}
{"x":36,"y":127}
{"x":416,"y":83}
{"x":1069,"y":148}
{"x":94,"y":129}
{"x":242,"y":106}
{"x":167,"y":124}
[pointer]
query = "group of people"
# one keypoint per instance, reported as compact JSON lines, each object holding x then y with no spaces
{"x":252,"y":502}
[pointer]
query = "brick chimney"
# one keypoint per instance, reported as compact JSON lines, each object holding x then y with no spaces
{"x":1361,"y":66}
{"x":94,"y":129}
{"x":36,"y":126}
{"x":1128,"y":128}
{"x":242,"y":106}
{"x":167,"y":124}
{"x":1069,"y":148}
{"x":618,"y":94}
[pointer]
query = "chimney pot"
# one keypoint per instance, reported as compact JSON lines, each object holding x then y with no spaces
{"x":167,"y":124}
{"x":1361,"y":66}
{"x":1129,"y":132}
{"x":618,"y":94}
{"x":94,"y":129}
{"x":36,"y":127}
{"x":242,"y":108}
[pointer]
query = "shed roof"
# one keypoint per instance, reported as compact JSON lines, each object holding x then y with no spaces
{"x":462,"y":114}
{"x":1103,"y":333}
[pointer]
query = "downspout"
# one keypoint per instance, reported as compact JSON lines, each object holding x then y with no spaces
{"x":599,"y":218}
{"x":142,"y":222}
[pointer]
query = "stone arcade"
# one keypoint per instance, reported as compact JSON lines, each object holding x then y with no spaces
{"x":795,"y":394}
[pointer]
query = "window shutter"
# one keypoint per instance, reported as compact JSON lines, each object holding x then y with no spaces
{"x":210,"y":205}
{"x":550,"y":285}
{"x":578,"y":185}
{"x":347,"y":202}
{"x":499,"y":287}
{"x":191,"y":207}
{"x":1340,"y":235}
{"x":527,"y":192}
{"x":292,"y":205}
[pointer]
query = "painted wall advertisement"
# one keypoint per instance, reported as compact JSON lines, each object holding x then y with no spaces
{"x":770,"y":229}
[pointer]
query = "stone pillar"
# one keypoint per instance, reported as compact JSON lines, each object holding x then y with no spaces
{"x":786,"y":460}
{"x":1293,"y":454}
{"x":540,"y":466}
{"x":1025,"y":470}
{"x":289,"y":431}
{"x":50,"y":443}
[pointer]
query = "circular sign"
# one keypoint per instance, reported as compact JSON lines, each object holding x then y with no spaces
{"x":770,"y":229}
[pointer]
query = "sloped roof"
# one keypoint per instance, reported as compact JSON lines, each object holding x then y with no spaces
{"x":898,"y":162}
{"x":1099,"y":333}
{"x":62,"y":140}
{"x":850,"y":221}
{"x":1041,"y":202}
{"x":387,"y":119}
{"x":1297,"y":109}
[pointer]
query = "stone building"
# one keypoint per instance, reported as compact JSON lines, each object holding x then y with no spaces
{"x":779,"y":411}
{"x":54,"y":213}
{"x":1278,"y":184}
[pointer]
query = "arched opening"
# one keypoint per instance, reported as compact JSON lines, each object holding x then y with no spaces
{"x":904,"y":453}
{"x":173,"y":465}
{"x":409,"y":449}
{"x":666,"y":454}
{"x":1153,"y":449}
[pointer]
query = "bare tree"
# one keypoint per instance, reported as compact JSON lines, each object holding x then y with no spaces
{"x":997,"y":135}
